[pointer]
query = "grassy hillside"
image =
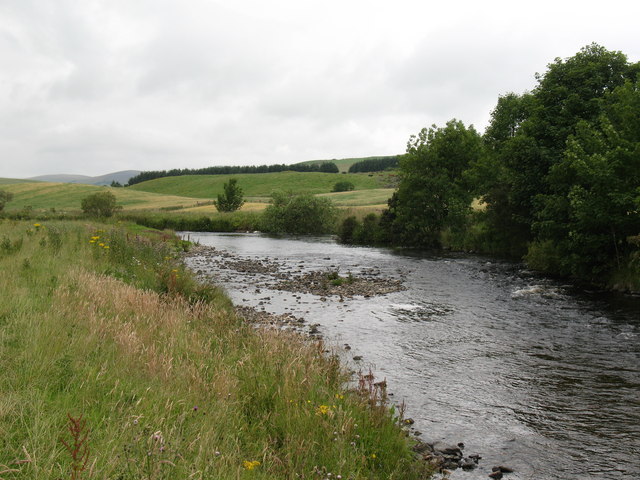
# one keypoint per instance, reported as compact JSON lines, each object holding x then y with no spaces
{"x":257,"y":185}
{"x":357,"y":198}
{"x":98,"y":325}
{"x":68,"y":197}
{"x":9,"y":181}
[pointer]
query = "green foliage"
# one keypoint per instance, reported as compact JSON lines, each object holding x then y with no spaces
{"x":591,"y":208}
{"x":298,"y":214}
{"x":231,"y":200}
{"x":227,"y":222}
{"x":433,"y":193}
{"x":375,"y":164}
{"x":5,"y":197}
{"x":344,"y":186}
{"x":100,"y":204}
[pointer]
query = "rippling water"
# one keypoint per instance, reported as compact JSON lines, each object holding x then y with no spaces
{"x":527,"y":372}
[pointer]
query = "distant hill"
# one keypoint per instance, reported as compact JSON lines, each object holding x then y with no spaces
{"x":120,"y":177}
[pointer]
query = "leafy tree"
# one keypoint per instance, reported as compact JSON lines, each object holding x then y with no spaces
{"x":100,"y":204}
{"x":231,"y":200}
{"x":298,"y":214}
{"x":344,"y":186}
{"x":432,"y":193}
{"x":528,"y":135}
{"x":592,"y":208}
{"x":5,"y":197}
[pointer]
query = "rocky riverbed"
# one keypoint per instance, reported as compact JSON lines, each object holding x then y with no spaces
{"x":211,"y":263}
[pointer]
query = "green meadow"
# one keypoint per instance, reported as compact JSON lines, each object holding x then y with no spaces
{"x":117,"y":364}
{"x":68,"y":197}
{"x":259,"y":186}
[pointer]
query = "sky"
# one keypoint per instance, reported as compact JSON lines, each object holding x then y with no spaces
{"x":96,"y":86}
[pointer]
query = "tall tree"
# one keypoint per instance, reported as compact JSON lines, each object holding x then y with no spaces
{"x":528,"y":136}
{"x":592,"y":207}
{"x":432,"y":193}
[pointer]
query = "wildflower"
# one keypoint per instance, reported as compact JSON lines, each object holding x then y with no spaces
{"x":250,"y":465}
{"x":323,"y":410}
{"x":339,"y":396}
{"x":37,"y":225}
{"x":101,"y":244}
{"x":106,"y":247}
{"x":195,"y":409}
{"x":373,"y":455}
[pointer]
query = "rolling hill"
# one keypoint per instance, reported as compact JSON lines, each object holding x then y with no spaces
{"x":68,"y":197}
{"x":260,"y":186}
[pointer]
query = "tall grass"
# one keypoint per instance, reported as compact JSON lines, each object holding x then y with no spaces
{"x":104,"y":326}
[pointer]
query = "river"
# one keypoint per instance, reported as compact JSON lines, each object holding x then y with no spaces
{"x":528,"y":372}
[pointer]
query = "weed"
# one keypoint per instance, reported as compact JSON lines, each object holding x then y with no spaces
{"x":78,"y":446}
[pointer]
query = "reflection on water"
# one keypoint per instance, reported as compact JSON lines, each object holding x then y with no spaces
{"x":527,"y":372}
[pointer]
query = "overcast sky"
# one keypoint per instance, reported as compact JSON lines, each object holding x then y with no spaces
{"x":96,"y":86}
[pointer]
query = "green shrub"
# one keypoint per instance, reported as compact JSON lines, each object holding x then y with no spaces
{"x":344,"y":186}
{"x":101,"y":204}
{"x":5,"y":197}
{"x":299,"y":215}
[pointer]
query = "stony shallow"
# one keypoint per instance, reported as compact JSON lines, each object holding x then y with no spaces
{"x":324,"y":283}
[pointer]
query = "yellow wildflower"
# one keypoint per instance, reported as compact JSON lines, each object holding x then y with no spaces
{"x":250,"y":465}
{"x":323,"y":410}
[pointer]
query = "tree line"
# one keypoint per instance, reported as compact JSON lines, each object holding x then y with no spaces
{"x":326,"y":167}
{"x":375,"y":164}
{"x":556,"y":175}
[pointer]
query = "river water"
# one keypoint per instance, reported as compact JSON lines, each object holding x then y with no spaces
{"x":527,"y":372}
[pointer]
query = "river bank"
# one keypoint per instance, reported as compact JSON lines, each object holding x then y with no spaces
{"x":118,"y":364}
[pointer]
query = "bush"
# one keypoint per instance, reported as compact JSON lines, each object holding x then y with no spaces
{"x":101,"y":204}
{"x":5,"y":197}
{"x":368,"y":232}
{"x":344,"y":186}
{"x":298,"y":215}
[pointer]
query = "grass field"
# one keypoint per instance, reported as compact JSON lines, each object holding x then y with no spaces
{"x":258,"y":186}
{"x":358,"y":198}
{"x":103,"y":326}
{"x":68,"y":197}
{"x":9,"y":181}
{"x":193,"y":194}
